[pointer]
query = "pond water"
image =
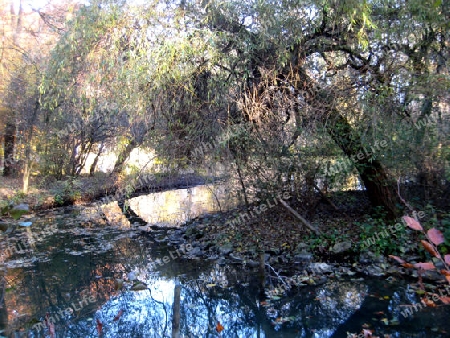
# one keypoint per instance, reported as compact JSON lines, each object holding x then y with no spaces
{"x":174,"y":207}
{"x":70,"y":270}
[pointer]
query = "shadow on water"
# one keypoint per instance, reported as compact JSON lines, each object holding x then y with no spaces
{"x":73,"y":275}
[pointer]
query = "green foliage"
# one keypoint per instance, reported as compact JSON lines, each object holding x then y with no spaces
{"x":7,"y":209}
{"x":174,"y":76}
{"x":59,"y":200}
{"x":373,"y":230}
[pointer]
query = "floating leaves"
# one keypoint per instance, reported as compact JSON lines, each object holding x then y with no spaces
{"x":282,"y":320}
{"x":50,"y":325}
{"x":367,"y":333}
{"x":428,"y":302}
{"x":435,"y":236}
{"x":118,"y":284}
{"x":219,"y":327}
{"x":99,"y":327}
{"x":117,"y":317}
{"x":139,"y":286}
{"x":51,"y":330}
{"x":412,"y":223}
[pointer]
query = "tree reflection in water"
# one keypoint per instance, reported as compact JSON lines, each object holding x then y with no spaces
{"x":78,"y":260}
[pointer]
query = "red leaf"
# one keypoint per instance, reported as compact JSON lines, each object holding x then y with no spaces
{"x":117,"y":317}
{"x":412,"y":223}
{"x":51,"y":330}
{"x":428,"y":302}
{"x":447,"y":259}
{"x":429,"y":248}
{"x":219,"y":327}
{"x":408,"y":265}
{"x":445,"y":300}
{"x":447,"y":278}
{"x":445,"y":272}
{"x":425,"y":266}
{"x":99,"y":327}
{"x":367,"y":333}
{"x":435,"y":236}
{"x":47,"y":316}
{"x":398,"y":259}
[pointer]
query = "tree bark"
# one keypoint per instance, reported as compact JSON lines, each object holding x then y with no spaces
{"x":123,"y":156}
{"x":94,"y":164}
{"x":379,"y":187}
{"x":28,"y":163}
{"x":9,"y":143}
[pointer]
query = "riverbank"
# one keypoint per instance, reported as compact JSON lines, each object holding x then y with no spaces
{"x":46,"y":192}
{"x":275,"y":235}
{"x":277,"y":239}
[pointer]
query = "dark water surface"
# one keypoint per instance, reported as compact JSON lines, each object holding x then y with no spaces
{"x":71,"y":273}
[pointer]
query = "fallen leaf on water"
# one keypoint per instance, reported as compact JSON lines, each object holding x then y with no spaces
{"x":51,"y":330}
{"x":99,"y":327}
{"x":47,"y":316}
{"x":219,"y":327}
{"x":394,"y":321}
{"x":117,"y":317}
{"x":118,"y":283}
{"x":428,"y":302}
{"x":138,"y":287}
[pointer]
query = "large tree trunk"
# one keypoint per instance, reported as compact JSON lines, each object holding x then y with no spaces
{"x":9,"y":139}
{"x":10,"y":128}
{"x":28,"y":161}
{"x":138,"y":130}
{"x":379,"y":187}
{"x":123,"y":156}
{"x":94,"y":164}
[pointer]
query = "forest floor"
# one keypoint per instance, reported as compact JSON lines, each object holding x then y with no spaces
{"x":342,"y":237}
{"x":353,"y":240}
